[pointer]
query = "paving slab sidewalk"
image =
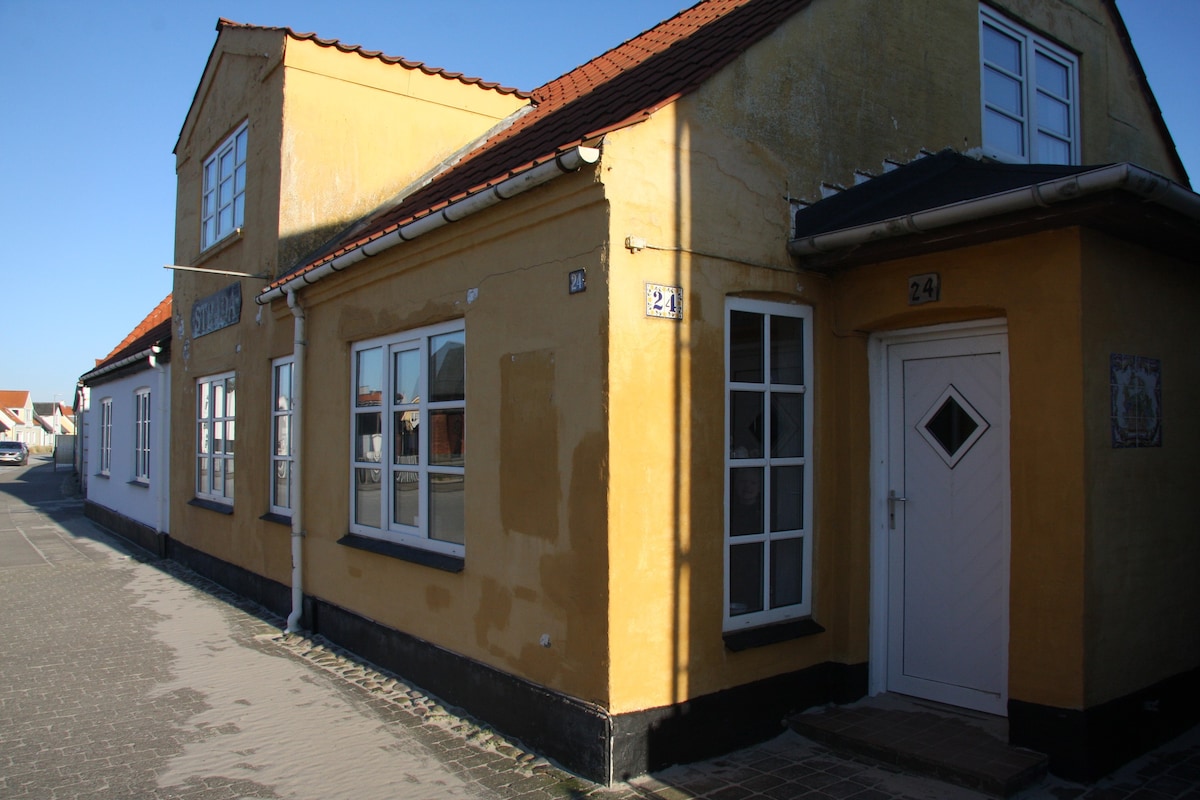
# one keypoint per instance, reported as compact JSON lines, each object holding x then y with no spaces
{"x":122,"y":676}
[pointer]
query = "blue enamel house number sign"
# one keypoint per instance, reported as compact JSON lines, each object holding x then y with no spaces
{"x":664,"y":301}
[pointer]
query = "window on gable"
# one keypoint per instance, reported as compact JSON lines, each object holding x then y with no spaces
{"x":215,"y":419}
{"x":141,"y":435}
{"x":223,"y":207}
{"x":408,"y":407}
{"x":282,"y":448}
{"x":768,"y":463}
{"x":1030,"y":90}
{"x":106,"y":436}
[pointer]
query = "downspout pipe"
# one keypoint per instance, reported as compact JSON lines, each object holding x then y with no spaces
{"x":1128,"y":177}
{"x":299,"y":347}
{"x":160,"y":452}
{"x":569,"y":161}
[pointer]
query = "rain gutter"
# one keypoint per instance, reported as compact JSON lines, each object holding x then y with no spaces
{"x":568,"y":161}
{"x":149,"y":352}
{"x":1125,"y":176}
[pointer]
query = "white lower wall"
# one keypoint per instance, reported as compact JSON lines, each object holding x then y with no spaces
{"x":145,"y":502}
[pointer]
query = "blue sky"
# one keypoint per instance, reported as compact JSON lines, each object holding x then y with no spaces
{"x":94,"y":94}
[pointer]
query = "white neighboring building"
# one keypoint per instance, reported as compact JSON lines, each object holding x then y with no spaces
{"x":55,"y":419}
{"x":17,"y":422}
{"x":123,"y":411}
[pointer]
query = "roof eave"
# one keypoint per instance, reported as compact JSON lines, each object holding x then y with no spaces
{"x":159,"y":352}
{"x":541,"y":172}
{"x":1130,"y":178}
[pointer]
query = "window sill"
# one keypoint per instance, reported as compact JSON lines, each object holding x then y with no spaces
{"x":218,"y":246}
{"x":101,"y":475}
{"x":404,"y":552}
{"x":210,"y":505}
{"x":278,"y":519}
{"x":771,"y":634}
{"x":141,"y":483}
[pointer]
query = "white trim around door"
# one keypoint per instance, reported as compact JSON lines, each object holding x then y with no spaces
{"x":893,"y":355}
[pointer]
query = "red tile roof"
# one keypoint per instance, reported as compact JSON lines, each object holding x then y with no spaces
{"x":619,"y":88}
{"x":376,"y":54}
{"x":14,"y":398}
{"x":155,"y":328}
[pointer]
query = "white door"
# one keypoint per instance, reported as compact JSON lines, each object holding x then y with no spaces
{"x":947,"y":535}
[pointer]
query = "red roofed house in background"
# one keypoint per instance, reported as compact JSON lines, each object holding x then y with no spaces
{"x":17,"y":419}
{"x":806,"y":350}
{"x":121,"y":449}
{"x":36,"y":424}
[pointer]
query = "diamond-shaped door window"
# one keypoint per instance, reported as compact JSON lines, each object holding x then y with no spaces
{"x":952,"y":426}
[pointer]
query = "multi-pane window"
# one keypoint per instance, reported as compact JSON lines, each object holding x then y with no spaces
{"x":1030,"y":95}
{"x":141,"y":435}
{"x":215,"y":415}
{"x":282,"y":450}
{"x":223,"y":206}
{"x":768,"y":463}
{"x":409,"y":446}
{"x":106,"y":436}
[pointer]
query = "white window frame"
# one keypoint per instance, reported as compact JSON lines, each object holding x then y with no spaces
{"x":216,"y":414}
{"x":376,"y":462}
{"x":223,"y":195}
{"x":141,"y":435}
{"x":739,"y":457}
{"x":283,"y":457}
{"x":1034,"y":124}
{"x":106,"y":436}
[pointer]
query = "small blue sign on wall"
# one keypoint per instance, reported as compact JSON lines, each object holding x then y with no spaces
{"x":219,"y":310}
{"x":1136,"y":386}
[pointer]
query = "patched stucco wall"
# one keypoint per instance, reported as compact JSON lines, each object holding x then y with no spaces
{"x":536,"y":504}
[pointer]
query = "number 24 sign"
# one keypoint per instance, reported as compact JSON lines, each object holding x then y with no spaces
{"x":664,"y":301}
{"x":924,"y":289}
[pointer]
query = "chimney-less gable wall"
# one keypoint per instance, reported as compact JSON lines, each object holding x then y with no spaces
{"x":357,"y":131}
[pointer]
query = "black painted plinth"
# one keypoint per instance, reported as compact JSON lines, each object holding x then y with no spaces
{"x":1084,"y":745}
{"x":127,"y":528}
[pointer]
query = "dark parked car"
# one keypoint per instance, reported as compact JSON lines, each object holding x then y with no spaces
{"x":14,"y":453}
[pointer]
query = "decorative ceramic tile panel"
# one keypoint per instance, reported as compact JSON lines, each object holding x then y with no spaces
{"x":1136,"y":386}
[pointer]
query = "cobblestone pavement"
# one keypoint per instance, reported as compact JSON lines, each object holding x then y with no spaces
{"x":122,"y":676}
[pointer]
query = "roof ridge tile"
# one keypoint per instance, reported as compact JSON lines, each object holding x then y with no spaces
{"x":378,"y":55}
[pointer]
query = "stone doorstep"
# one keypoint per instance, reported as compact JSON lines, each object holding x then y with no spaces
{"x":925,"y":739}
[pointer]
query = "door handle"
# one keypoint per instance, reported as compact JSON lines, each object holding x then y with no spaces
{"x":892,"y":499}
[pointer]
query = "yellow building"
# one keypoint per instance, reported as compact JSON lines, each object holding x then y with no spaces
{"x":736,"y":450}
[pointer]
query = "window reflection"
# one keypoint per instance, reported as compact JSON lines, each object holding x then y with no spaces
{"x":369,"y":373}
{"x":745,"y":347}
{"x":446,"y":367}
{"x":446,"y":516}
